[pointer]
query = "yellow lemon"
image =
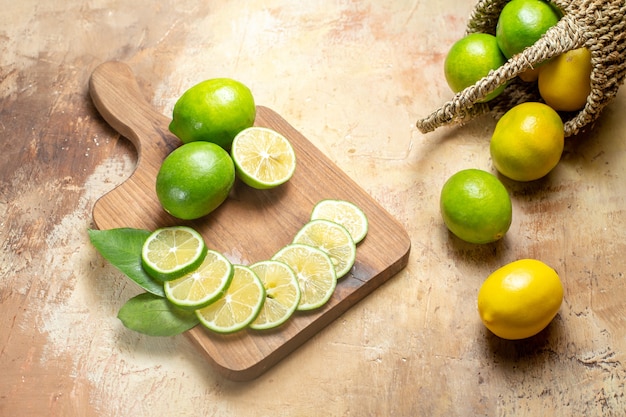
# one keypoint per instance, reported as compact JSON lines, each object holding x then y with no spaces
{"x":520,"y":299}
{"x":527,"y":142}
{"x":565,"y":81}
{"x":530,"y":75}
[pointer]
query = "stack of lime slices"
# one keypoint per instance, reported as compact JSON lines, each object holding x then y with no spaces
{"x":226,"y":297}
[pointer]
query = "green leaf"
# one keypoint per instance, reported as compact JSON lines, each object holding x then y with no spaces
{"x":155,"y":316}
{"x":122,"y":248}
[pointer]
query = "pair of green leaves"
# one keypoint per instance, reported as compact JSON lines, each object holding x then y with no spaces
{"x":150,"y":312}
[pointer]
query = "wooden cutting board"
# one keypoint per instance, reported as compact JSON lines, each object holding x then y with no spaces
{"x":250,"y":226}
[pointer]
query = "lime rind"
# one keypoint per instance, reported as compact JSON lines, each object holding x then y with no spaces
{"x":202,"y":286}
{"x":238,"y":306}
{"x":263,"y":158}
{"x":345,"y":213}
{"x":180,"y":246}
{"x":315,"y":272}
{"x":282,"y":297}
{"x":333,"y":239}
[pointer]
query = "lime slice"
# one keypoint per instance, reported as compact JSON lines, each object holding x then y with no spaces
{"x":332,"y":238}
{"x":171,"y":252}
{"x":263,"y":157}
{"x":282,"y":294}
{"x":238,"y":307}
{"x":315,"y":271}
{"x":202,"y":286}
{"x":347,"y":214}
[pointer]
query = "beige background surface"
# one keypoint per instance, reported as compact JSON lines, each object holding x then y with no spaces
{"x":353,"y":77}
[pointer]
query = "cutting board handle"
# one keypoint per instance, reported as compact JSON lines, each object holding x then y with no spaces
{"x":116,"y":94}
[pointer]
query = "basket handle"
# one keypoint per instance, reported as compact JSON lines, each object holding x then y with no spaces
{"x":564,"y":36}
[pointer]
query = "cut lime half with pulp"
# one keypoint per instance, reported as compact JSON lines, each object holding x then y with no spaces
{"x":239,"y":305}
{"x":171,"y":252}
{"x":263,"y":157}
{"x":315,"y":271}
{"x":202,"y":286}
{"x":282,"y":294}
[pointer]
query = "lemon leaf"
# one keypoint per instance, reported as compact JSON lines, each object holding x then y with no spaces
{"x":154,"y":316}
{"x":122,"y":248}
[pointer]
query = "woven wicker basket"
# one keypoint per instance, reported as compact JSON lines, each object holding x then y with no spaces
{"x":599,"y":25}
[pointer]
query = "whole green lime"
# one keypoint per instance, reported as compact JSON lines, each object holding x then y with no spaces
{"x":214,"y":110}
{"x":522,"y":22}
{"x":476,"y":206}
{"x":194,"y":180}
{"x":472,"y":58}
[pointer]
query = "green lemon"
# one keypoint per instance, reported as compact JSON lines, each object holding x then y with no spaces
{"x":522,"y":22}
{"x":476,"y":206}
{"x":214,"y":110}
{"x":472,"y":58}
{"x":527,"y":142}
{"x":194,"y":180}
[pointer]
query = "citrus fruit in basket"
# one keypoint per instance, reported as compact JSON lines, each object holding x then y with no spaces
{"x":565,"y":81}
{"x":527,"y":142}
{"x":213,"y":110}
{"x":520,"y":299}
{"x":476,"y":206}
{"x":203,"y":285}
{"x":171,"y":252}
{"x":472,"y":58}
{"x":263,"y":157}
{"x":194,"y":180}
{"x":530,"y":75}
{"x":522,"y":22}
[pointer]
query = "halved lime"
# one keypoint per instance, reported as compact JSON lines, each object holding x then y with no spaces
{"x":171,"y":252}
{"x":239,"y":305}
{"x":347,"y":214}
{"x":282,"y":294}
{"x":202,"y":286}
{"x":263,"y":157}
{"x":332,"y":238}
{"x":315,"y":271}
